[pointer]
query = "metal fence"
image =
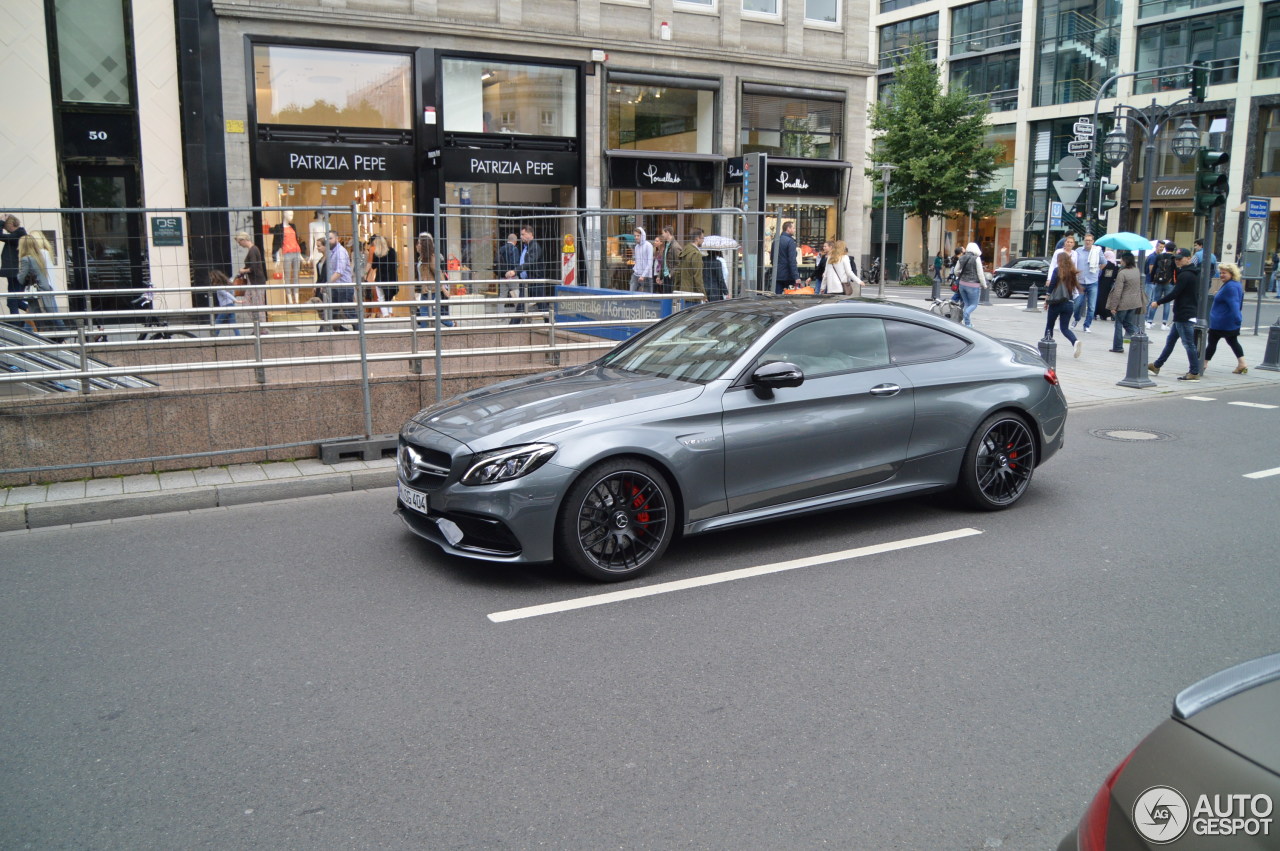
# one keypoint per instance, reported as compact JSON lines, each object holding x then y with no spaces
{"x":136,"y":349}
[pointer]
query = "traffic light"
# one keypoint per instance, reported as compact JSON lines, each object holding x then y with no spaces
{"x":1211,"y":185}
{"x":1199,"y":80}
{"x":1106,"y":197}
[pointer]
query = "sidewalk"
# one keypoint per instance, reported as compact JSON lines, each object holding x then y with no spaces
{"x":1086,"y":381}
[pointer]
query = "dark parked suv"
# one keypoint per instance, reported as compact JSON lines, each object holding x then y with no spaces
{"x":1018,"y":277}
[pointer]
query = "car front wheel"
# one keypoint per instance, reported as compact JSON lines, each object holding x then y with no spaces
{"x":616,"y":520}
{"x":998,"y":464}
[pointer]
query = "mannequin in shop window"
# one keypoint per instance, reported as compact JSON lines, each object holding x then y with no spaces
{"x":286,"y":248}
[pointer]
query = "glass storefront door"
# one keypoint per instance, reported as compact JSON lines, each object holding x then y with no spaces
{"x":108,"y":249}
{"x":816,"y":223}
{"x":620,"y":242}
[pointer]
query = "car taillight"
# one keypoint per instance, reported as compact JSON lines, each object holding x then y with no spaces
{"x":1092,"y":833}
{"x":1051,"y":376}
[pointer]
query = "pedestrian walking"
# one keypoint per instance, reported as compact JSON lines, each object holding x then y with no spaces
{"x":1107,"y":280}
{"x":225,"y":297}
{"x":1064,"y":289}
{"x":688,"y":271}
{"x":342,"y":290}
{"x":429,"y":284}
{"x":641,"y":265}
{"x":10,"y":234}
{"x":937,"y":266}
{"x":668,"y":258}
{"x":1183,"y":297}
{"x":1126,"y":300}
{"x":838,"y":277}
{"x":1198,"y":258}
{"x":34,"y":269}
{"x":785,"y":260}
{"x":1089,"y":263}
{"x":254,"y":270}
{"x":1226,"y":316}
{"x":1275,"y":273}
{"x":1162,"y":270}
{"x":972,"y":280}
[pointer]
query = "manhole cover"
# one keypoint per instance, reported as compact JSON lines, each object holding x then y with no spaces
{"x":1130,"y":434}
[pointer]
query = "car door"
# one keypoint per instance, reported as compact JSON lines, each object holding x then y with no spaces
{"x":846,"y":426}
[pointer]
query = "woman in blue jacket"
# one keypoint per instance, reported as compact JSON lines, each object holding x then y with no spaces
{"x":1225,"y":316}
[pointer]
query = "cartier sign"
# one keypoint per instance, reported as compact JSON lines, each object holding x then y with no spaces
{"x":1165,"y":190}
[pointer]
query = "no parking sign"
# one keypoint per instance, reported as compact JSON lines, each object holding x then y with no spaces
{"x":1255,"y":236}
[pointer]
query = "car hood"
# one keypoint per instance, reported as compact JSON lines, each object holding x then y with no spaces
{"x":537,"y":406}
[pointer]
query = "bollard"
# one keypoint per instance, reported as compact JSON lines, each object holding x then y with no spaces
{"x":1271,"y":360}
{"x":1049,"y":350}
{"x":1033,"y":300}
{"x":1136,"y":367}
{"x":985,"y":298}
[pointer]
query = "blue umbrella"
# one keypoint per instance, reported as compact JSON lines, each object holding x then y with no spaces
{"x":1126,"y":240}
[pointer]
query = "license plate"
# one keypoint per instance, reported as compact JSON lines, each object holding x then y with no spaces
{"x":417,"y":500}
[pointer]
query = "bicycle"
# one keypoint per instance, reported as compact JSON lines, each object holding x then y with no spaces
{"x":904,"y":271}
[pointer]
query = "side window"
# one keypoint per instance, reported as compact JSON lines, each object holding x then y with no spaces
{"x":912,"y":343}
{"x":827,"y":346}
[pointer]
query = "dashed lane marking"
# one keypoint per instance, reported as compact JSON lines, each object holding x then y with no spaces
{"x":1255,"y":405}
{"x":1262,"y":474}
{"x":1200,"y":398}
{"x":727,"y":576}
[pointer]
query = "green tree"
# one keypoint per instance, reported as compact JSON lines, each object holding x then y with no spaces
{"x":937,"y":141}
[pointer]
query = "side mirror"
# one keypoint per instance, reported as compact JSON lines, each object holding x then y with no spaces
{"x":776,"y":374}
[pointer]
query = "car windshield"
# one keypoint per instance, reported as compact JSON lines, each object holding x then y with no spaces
{"x":696,"y":345}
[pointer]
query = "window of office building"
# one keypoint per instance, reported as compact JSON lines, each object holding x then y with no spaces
{"x":1152,"y":8}
{"x":1079,"y":42}
{"x":982,"y":26}
{"x":760,"y":7}
{"x":332,"y":88}
{"x":93,"y":51}
{"x":1213,"y":38}
{"x":1269,"y":45}
{"x":661,"y":118}
{"x":893,"y":5}
{"x":822,"y":11}
{"x":785,"y":126}
{"x":995,"y":76}
{"x":896,"y":39}
{"x":481,"y":96}
{"x":1269,"y":141}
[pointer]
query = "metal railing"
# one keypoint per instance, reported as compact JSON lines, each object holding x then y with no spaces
{"x":141,"y":358}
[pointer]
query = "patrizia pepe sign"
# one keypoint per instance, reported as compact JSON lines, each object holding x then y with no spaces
{"x":554,"y":168}
{"x":334,"y":162}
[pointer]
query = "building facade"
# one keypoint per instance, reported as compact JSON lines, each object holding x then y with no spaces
{"x":393,"y":105}
{"x":1043,"y":63}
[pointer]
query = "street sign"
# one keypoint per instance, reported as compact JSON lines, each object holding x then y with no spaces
{"x":1083,"y":127}
{"x":1069,"y":168}
{"x":1080,"y":146}
{"x":1256,"y":231}
{"x":1055,"y":214}
{"x":1068,"y":190}
{"x":1011,"y":199}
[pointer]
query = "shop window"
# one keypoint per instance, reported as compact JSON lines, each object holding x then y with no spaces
{"x":93,"y":51}
{"x":661,"y":118}
{"x":502,"y":97}
{"x":792,"y":126}
{"x":332,"y":88}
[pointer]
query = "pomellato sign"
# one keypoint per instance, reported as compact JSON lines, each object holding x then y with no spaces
{"x":658,"y":173}
{"x":802,"y":180}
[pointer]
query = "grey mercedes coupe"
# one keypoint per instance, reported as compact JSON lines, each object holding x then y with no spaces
{"x":724,"y":414}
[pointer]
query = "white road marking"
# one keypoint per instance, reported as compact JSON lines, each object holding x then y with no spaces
{"x":1200,"y":398}
{"x":727,"y":576}
{"x":1262,"y":474}
{"x":1255,"y":405}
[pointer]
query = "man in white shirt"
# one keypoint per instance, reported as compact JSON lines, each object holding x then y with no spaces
{"x":1089,"y":262}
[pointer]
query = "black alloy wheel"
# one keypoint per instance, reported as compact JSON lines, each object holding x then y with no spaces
{"x":1000,"y":287}
{"x":999,"y":463}
{"x":616,"y":520}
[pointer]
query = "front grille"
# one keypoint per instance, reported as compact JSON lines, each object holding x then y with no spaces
{"x":421,"y":467}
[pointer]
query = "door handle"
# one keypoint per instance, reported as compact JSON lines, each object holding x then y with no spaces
{"x":886,"y":390}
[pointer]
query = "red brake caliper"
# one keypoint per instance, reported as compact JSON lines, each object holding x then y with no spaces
{"x":637,"y":501}
{"x":1012,"y":456}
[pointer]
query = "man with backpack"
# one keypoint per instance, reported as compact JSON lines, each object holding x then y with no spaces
{"x":1162,"y":268}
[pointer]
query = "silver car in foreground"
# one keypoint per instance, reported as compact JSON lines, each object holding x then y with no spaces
{"x":728,"y":413}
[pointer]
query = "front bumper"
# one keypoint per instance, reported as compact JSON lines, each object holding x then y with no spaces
{"x":507,"y":522}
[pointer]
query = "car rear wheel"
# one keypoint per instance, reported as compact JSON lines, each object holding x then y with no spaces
{"x":1000,"y":288}
{"x":616,"y":520}
{"x":998,"y":464}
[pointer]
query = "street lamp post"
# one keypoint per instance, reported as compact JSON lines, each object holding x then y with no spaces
{"x":886,"y":169}
{"x":1116,"y":148}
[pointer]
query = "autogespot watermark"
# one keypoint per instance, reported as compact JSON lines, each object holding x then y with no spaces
{"x":1161,"y":814}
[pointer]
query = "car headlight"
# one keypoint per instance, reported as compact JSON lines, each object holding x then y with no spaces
{"x":502,"y":465}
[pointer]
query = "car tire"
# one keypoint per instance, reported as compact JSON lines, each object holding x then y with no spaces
{"x":1000,"y":288}
{"x":998,"y":463}
{"x":616,"y":520}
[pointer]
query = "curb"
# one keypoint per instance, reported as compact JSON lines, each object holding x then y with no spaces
{"x":66,"y":512}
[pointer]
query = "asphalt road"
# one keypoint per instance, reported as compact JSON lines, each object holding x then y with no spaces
{"x":306,"y":674}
